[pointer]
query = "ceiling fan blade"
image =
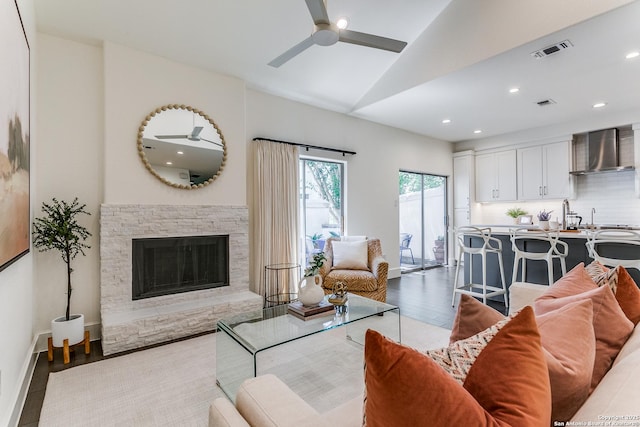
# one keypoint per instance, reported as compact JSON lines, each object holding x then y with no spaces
{"x":213,"y":142}
{"x":304,"y":44}
{"x":196,"y":132}
{"x":172,"y":136}
{"x":318,"y":11}
{"x":370,"y":40}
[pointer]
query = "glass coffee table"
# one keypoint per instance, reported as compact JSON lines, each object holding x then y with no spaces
{"x":244,"y":341}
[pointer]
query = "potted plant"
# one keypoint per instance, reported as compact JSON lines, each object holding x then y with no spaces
{"x":438,"y":250}
{"x":317,"y":239}
{"x":515,"y":213}
{"x":59,"y":229}
{"x":543,"y":219}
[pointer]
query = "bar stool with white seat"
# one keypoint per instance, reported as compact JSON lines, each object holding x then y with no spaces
{"x":605,"y":245}
{"x":548,"y":248}
{"x":489,"y":245}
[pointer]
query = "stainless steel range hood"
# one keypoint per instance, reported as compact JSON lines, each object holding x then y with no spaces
{"x":602,"y":153}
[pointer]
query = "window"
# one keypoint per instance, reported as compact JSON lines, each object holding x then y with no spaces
{"x":321,"y":203}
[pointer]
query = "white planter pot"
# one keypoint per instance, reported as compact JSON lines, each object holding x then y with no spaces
{"x":72,"y":329}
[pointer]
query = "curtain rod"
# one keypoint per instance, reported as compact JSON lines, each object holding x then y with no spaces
{"x":307,"y":146}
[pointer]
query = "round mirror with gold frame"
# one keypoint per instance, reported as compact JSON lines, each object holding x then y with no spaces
{"x":182,"y":146}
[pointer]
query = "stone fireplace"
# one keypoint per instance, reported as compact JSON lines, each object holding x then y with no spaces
{"x":129,"y":323}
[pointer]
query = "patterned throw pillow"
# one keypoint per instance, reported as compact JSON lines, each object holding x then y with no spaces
{"x":601,"y":275}
{"x":458,"y":358}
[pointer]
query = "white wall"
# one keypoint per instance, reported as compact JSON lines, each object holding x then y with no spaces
{"x":372,"y":174}
{"x":135,"y":84}
{"x":69,"y":165}
{"x":16,"y":283}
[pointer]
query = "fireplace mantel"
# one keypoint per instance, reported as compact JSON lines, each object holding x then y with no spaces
{"x":129,"y":324}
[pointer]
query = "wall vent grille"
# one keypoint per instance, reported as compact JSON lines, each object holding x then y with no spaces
{"x":550,"y":50}
{"x":546,"y":102}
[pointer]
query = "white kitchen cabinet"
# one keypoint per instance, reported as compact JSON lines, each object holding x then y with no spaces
{"x":463,"y":178}
{"x":496,"y":176}
{"x":543,"y":172}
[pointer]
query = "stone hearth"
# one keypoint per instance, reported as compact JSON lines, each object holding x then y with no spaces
{"x":129,"y":324}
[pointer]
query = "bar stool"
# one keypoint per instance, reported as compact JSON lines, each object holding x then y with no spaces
{"x":537,"y":245}
{"x":467,"y":236}
{"x":615,"y":247}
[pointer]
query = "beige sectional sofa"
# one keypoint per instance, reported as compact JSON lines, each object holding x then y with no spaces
{"x":267,"y":401}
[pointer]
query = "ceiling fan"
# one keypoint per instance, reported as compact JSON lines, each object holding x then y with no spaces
{"x":193,"y":136}
{"x":327,"y":33}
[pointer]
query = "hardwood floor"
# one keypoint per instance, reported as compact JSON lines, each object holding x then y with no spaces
{"x":422,"y":295}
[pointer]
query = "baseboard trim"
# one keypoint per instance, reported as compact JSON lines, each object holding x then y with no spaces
{"x":38,"y":345}
{"x":394,"y":273}
{"x":26,"y":375}
{"x":95,"y":331}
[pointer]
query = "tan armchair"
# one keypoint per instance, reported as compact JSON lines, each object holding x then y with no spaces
{"x":371,"y":283}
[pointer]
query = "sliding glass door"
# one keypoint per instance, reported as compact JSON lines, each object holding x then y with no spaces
{"x":321,"y":203}
{"x":423,"y":220}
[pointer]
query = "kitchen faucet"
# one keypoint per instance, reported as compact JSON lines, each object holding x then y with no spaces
{"x":565,"y":211}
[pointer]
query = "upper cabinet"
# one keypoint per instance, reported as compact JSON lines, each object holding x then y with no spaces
{"x":496,"y":176}
{"x":543,"y":172}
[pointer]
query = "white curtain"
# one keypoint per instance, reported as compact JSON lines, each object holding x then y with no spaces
{"x":275,"y":210}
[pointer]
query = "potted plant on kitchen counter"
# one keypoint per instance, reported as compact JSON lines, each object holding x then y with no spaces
{"x":543,"y":219}
{"x":59,"y":229}
{"x":516,"y":213}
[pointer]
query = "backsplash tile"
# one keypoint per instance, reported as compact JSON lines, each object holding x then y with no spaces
{"x":612,"y":194}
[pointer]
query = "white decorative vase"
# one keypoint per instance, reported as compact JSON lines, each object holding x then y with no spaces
{"x":544,"y":225}
{"x":72,"y":329}
{"x":310,"y":291}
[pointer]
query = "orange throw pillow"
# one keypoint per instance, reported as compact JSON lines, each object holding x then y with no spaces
{"x":623,"y":286}
{"x":404,"y":387}
{"x":568,"y":341}
{"x":471,"y":318}
{"x":611,"y":326}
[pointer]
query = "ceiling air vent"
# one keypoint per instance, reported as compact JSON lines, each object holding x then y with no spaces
{"x":545,"y":102}
{"x":550,"y":50}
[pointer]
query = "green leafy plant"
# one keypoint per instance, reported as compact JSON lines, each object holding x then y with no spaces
{"x":544,"y":215}
{"x":315,"y":264}
{"x":516,"y":212}
{"x":59,"y":230}
{"x":315,"y":236}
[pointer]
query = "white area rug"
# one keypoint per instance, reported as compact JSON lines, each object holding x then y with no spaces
{"x":173,"y":385}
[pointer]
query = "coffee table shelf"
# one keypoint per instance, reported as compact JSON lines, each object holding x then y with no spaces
{"x":244,"y":341}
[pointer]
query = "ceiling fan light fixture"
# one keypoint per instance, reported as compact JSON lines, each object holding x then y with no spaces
{"x":325,"y":34}
{"x":342,"y":22}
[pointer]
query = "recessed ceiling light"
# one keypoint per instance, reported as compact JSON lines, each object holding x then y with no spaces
{"x":445,"y":121}
{"x":599,"y":104}
{"x":514,"y":90}
{"x":342,"y":23}
{"x":180,"y":152}
{"x":477,"y":131}
{"x":632,"y":54}
{"x":169,"y":163}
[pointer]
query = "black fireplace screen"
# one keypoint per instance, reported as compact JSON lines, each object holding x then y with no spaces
{"x":163,"y":266}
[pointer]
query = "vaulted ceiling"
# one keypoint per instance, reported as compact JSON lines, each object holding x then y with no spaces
{"x":462,"y":56}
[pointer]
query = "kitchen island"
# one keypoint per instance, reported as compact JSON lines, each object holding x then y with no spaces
{"x":536,"y":270}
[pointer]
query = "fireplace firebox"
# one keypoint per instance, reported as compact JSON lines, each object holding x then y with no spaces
{"x":170,"y":265}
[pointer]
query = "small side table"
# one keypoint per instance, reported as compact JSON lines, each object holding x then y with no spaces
{"x":280,"y":281}
{"x":65,"y":348}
